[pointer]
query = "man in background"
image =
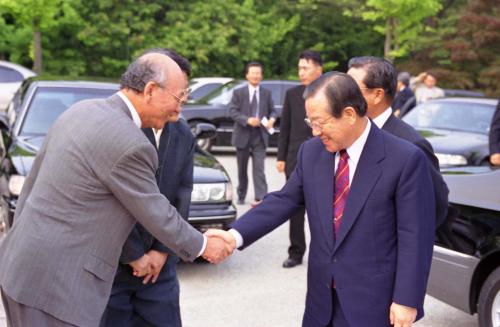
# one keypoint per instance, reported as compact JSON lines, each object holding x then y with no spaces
{"x":293,"y":132}
{"x":252,"y":110}
{"x":495,"y":138}
{"x":376,"y":78}
{"x":425,"y":87}
{"x":403,"y":95}
{"x":146,"y":288}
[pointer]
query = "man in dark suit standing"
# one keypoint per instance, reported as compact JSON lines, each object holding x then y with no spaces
{"x":376,"y":77}
{"x":145,"y":291}
{"x":293,"y":132}
{"x":370,"y":204}
{"x":495,"y":138}
{"x":252,"y":110}
{"x":403,"y":95}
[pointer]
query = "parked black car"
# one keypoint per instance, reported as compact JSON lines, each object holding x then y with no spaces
{"x":214,"y":109}
{"x":465,"y":271}
{"x":38,"y":103}
{"x":457,"y":128}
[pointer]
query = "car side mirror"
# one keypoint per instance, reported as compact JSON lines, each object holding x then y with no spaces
{"x":204,"y":131}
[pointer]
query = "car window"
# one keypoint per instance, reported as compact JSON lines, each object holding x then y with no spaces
{"x":460,"y":116}
{"x":203,"y":90}
{"x":50,"y":102}
{"x":223,"y":94}
{"x":275,"y":92}
{"x":9,"y":75}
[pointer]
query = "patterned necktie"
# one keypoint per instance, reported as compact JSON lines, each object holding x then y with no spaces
{"x":341,"y":189}
{"x":254,"y":105}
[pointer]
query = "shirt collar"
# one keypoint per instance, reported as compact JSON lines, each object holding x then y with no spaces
{"x":252,"y":89}
{"x":382,"y":118}
{"x":354,"y":151}
{"x":131,"y":108}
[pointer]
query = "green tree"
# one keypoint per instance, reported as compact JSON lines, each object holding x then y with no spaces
{"x":35,"y":16}
{"x":401,"y":21}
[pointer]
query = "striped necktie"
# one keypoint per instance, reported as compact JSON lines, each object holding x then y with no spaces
{"x":341,"y":189}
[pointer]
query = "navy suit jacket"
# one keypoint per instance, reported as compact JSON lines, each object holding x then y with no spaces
{"x":383,"y":250}
{"x":175,"y":181}
{"x":240,"y":111}
{"x":401,"y":98}
{"x":397,"y":127}
{"x":494,"y":136}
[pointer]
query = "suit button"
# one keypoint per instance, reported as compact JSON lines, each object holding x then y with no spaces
{"x":328,"y":285}
{"x":334,"y":259}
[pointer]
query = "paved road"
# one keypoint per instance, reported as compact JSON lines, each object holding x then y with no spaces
{"x":251,"y":289}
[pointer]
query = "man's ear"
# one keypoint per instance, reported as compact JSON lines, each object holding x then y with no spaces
{"x":379,"y":95}
{"x":350,"y":114}
{"x":148,"y":90}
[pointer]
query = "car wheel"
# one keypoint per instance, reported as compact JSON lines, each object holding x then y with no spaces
{"x":489,"y":301}
{"x":204,"y":144}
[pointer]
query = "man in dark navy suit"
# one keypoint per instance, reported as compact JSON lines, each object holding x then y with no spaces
{"x":146,"y":289}
{"x":494,"y":138}
{"x":376,"y":77}
{"x":370,"y":204}
{"x":403,"y":95}
{"x":293,"y":132}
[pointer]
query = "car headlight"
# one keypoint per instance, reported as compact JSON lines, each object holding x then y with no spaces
{"x":451,"y":159}
{"x":16,"y":183}
{"x":211,"y":192}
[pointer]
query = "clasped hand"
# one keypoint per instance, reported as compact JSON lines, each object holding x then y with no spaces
{"x":220,"y":244}
{"x":149,"y":266}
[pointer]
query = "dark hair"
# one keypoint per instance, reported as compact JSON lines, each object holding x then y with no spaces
{"x":340,"y":91}
{"x":404,"y":77}
{"x":253,"y":64}
{"x":182,"y":62}
{"x":141,"y":71}
{"x":380,"y":73}
{"x":312,"y":56}
{"x":431,"y":74}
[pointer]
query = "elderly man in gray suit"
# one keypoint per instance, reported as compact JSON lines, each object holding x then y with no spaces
{"x":93,"y":178}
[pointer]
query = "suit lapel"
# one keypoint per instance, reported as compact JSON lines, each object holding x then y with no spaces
{"x":324,"y":175}
{"x":366,"y":176}
{"x":246,"y":101}
{"x":261,"y":100}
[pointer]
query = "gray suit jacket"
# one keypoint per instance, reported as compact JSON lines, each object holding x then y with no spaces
{"x":240,"y":111}
{"x":93,"y":178}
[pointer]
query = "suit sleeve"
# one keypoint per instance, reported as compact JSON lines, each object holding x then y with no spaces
{"x":495,"y":131}
{"x":275,"y":209}
{"x":285,"y":122}
{"x":235,"y":109}
{"x":440,"y":188}
{"x":415,"y":231}
{"x":183,"y":200}
{"x":132,"y":181}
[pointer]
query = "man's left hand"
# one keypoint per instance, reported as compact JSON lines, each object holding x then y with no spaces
{"x":402,"y":316}
{"x":158,"y":260}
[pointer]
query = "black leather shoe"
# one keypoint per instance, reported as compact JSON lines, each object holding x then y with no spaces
{"x":291,"y":262}
{"x":240,"y":201}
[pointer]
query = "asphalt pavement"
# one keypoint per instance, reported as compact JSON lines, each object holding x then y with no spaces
{"x":252,"y":289}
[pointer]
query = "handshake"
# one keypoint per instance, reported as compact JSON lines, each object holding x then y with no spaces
{"x":220,"y":244}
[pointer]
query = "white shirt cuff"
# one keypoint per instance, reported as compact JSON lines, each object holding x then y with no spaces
{"x":204,"y":246}
{"x":237,"y":236}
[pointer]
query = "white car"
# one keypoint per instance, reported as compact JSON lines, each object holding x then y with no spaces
{"x":11,"y":77}
{"x":201,"y":86}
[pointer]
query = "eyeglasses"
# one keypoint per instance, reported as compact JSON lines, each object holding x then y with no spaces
{"x":317,"y":125}
{"x":180,"y":100}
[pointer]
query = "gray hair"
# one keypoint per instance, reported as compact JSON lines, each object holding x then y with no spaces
{"x":404,"y":77}
{"x":141,"y":71}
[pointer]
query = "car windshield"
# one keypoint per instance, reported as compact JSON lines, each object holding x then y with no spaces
{"x":460,"y":116}
{"x":50,"y":102}
{"x":223,"y":94}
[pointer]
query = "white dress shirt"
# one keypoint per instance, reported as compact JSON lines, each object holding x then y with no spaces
{"x":354,"y":152}
{"x":138,"y":123}
{"x":382,"y":118}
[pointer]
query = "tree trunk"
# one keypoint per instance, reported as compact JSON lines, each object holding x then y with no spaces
{"x":37,"y":38}
{"x":389,"y":34}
